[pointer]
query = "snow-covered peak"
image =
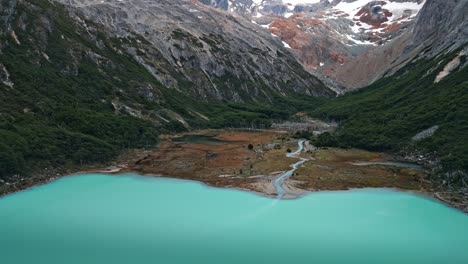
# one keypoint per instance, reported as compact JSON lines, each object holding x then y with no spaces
{"x":326,"y":34}
{"x":396,"y":9}
{"x":375,"y":18}
{"x":299,"y":2}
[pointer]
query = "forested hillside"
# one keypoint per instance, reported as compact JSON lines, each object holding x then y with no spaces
{"x":70,"y":96}
{"x":58,"y":107}
{"x":387,"y":115}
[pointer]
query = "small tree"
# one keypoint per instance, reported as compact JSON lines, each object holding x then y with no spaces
{"x":289,"y":150}
{"x":250,"y":147}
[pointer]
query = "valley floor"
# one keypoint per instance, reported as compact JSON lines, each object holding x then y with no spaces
{"x":228,"y":162}
{"x":232,"y":164}
{"x":252,"y":160}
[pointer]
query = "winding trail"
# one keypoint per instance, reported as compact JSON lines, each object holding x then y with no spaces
{"x":278,"y":182}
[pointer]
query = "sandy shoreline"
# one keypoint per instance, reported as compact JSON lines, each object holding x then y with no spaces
{"x":263,"y":187}
{"x":233,"y":165}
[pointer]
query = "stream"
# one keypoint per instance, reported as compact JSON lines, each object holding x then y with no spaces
{"x":278,"y":182}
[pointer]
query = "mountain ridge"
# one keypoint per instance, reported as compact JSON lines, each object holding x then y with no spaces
{"x":330,"y":37}
{"x":79,"y":85}
{"x":214,"y":53}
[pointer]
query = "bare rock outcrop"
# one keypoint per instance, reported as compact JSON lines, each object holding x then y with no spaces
{"x":5,"y":76}
{"x":201,"y":51}
{"x":334,"y":40}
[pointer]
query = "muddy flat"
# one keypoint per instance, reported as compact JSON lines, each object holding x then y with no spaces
{"x":223,"y":158}
{"x":339,"y":169}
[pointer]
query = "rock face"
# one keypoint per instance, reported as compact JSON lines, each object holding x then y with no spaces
{"x":330,"y":35}
{"x":7,"y":9}
{"x":5,"y":76}
{"x":200,"y":51}
{"x":441,"y":27}
{"x":6,"y":13}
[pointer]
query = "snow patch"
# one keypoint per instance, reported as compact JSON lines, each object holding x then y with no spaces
{"x":359,"y":42}
{"x":297,"y":2}
{"x":399,"y":12}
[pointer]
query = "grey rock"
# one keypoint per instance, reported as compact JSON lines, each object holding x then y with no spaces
{"x":201,"y":51}
{"x":425,"y":133}
{"x":7,"y":10}
{"x":5,"y":76}
{"x":441,"y":27}
{"x":322,"y":37}
{"x":441,"y":24}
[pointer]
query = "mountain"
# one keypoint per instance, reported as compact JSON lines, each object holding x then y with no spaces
{"x":434,"y":32}
{"x":364,"y":21}
{"x":81,"y":81}
{"x":199,"y":51}
{"x":418,"y":106}
{"x":330,"y":35}
{"x":74,"y":91}
{"x":67,"y":96}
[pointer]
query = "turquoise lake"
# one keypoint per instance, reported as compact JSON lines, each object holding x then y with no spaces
{"x":96,"y":218}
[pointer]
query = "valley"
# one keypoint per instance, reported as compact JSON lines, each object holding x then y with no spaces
{"x":222,"y":158}
{"x":233,"y":131}
{"x":82,"y":82}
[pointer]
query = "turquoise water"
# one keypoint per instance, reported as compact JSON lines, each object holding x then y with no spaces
{"x":129,"y":219}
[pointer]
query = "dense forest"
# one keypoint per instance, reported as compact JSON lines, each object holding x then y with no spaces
{"x":59,"y":110}
{"x":387,"y":115}
{"x":69,"y":96}
{"x":76,"y":99}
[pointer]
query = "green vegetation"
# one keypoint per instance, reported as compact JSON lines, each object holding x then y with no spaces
{"x":386,"y":115}
{"x":59,"y":111}
{"x":78,"y":100}
{"x":256,"y":115}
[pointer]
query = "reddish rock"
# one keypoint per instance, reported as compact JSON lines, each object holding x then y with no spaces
{"x":373,"y":14}
{"x":338,"y":57}
{"x":393,"y":27}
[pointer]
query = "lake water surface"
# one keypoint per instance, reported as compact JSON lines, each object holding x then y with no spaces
{"x":97,"y":218}
{"x":199,"y":139}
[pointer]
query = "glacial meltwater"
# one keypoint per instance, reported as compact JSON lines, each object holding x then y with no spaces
{"x":97,"y":218}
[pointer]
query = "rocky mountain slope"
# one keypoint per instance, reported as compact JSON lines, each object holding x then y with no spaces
{"x":200,"y":51}
{"x":83,"y":80}
{"x":440,"y":28}
{"x":66,"y":96}
{"x":418,"y":105}
{"x":74,"y":91}
{"x":330,"y":35}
